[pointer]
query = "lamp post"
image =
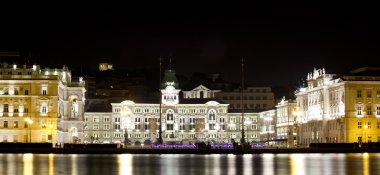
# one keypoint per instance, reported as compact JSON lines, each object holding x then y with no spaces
{"x":242,"y":140}
{"x":217,"y":127}
{"x":29,"y":124}
{"x":51,"y":132}
{"x":160,"y":140}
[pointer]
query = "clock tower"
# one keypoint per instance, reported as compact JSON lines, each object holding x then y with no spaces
{"x":169,"y":91}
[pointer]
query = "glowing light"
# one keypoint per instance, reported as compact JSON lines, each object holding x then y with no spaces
{"x":51,"y":164}
{"x":297,"y":164}
{"x":14,"y":66}
{"x":27,"y":160}
{"x":125,"y":164}
{"x":34,"y":67}
{"x":74,"y":168}
{"x":268,"y":164}
{"x":366,"y":164}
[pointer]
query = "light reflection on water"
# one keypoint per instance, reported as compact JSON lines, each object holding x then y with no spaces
{"x":268,"y":164}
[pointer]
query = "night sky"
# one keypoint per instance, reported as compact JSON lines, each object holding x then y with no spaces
{"x":280,"y":42}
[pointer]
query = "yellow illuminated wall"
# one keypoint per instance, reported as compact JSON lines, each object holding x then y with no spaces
{"x":28,"y":94}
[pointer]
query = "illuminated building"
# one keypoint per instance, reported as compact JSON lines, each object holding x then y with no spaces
{"x":285,"y":112}
{"x":32,"y":102}
{"x":256,"y":98}
{"x":183,"y":120}
{"x":200,"y":92}
{"x":105,"y":66}
{"x":344,"y":108}
{"x":267,"y":126}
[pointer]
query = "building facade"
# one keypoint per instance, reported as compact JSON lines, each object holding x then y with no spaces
{"x":268,"y":127}
{"x":200,"y":92}
{"x":285,"y":129}
{"x":183,"y":121}
{"x":255,"y":98}
{"x":340,"y":109}
{"x":29,"y":98}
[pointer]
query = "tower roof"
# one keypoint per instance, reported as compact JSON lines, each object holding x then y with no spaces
{"x":169,"y":77}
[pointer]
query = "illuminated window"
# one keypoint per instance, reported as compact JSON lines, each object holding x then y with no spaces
{"x":369,"y":125}
{"x":359,"y":93}
{"x":169,"y":126}
{"x":369,"y":93}
{"x":211,"y":126}
{"x":44,"y":109}
{"x":15,"y":124}
{"x":6,"y":107}
{"x":95,"y":127}
{"x":359,"y":110}
{"x":169,"y":116}
{"x":211,"y":116}
{"x":44,"y":90}
{"x":369,"y":110}
{"x":96,"y":119}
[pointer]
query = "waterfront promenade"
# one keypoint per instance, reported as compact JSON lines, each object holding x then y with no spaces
{"x":172,"y":150}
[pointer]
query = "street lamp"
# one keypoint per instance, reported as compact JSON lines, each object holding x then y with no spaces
{"x":29,"y":124}
{"x":51,"y":132}
{"x":217,"y":127}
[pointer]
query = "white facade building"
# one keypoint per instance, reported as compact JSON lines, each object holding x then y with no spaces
{"x":183,"y":121}
{"x":200,"y":92}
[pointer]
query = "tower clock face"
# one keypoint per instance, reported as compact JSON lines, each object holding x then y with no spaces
{"x":170,"y":89}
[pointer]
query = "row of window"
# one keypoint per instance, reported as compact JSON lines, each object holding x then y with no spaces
{"x":15,"y":138}
{"x":15,"y":110}
{"x":359,"y":110}
{"x":14,"y":91}
{"x":181,"y":110}
{"x":367,"y":125}
{"x":169,"y":117}
{"x":244,"y":98}
{"x":212,"y":126}
{"x":7,"y":124}
{"x":249,"y":106}
{"x":96,"y":136}
{"x":368,"y":93}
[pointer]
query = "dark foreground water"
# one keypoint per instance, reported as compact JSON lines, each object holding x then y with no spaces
{"x":268,"y":164}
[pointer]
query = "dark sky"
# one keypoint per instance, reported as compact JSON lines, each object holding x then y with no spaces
{"x":280,"y":42}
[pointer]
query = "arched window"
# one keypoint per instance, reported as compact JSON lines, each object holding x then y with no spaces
{"x":169,"y":116}
{"x":201,"y":94}
{"x":211,"y":115}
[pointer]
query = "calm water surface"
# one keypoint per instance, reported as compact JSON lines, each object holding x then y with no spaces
{"x":268,"y":164}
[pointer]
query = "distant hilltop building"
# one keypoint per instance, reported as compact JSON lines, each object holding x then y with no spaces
{"x":105,"y":66}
